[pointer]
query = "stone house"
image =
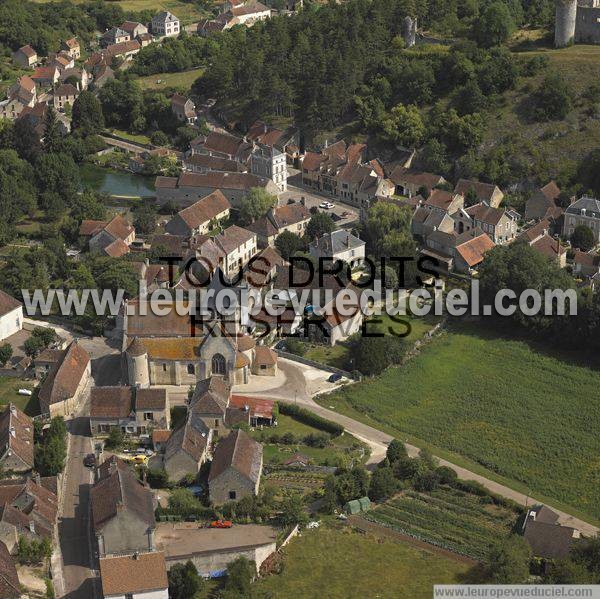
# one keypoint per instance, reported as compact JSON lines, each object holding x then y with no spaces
{"x":586,"y":264}
{"x":16,"y":440}
{"x":46,"y":76}
{"x":341,"y":326}
{"x":203,"y":163}
{"x":497,"y":223}
{"x":236,"y":468}
{"x":538,"y":237}
{"x":152,"y":410}
{"x":261,"y":410}
{"x":339,"y":245}
{"x":11,"y":315}
{"x":547,"y":538}
{"x":585,"y":211}
{"x":134,"y":29}
{"x":113,"y":36}
{"x":485,"y":192}
{"x":66,"y":383}
{"x":10,"y":585}
{"x":541,"y":201}
{"x":184,"y":109}
{"x":209,"y":402}
{"x":122,"y":510}
{"x":188,"y":187}
{"x":105,"y":236}
{"x":111,"y":407}
{"x":425,"y":221}
{"x":222,"y":145}
{"x":444,"y":202}
{"x":199,"y":218}
{"x":287,"y":140}
{"x":81,"y":76}
{"x":124,"y":51}
{"x":470,"y":249}
{"x":21,"y":94}
{"x":137,"y":576}
{"x":290,"y":217}
{"x":264,"y":362}
{"x":186,"y":449}
{"x":72,"y":47}
{"x":269,"y":162}
{"x":165,"y":24}
{"x":65,"y":95}
{"x":26,"y":57}
{"x":408,"y":182}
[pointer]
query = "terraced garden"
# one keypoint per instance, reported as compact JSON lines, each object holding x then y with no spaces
{"x":447,"y":518}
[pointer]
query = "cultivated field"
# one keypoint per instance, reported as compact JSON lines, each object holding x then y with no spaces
{"x":448,"y":518}
{"x":524,"y":416}
{"x":165,"y":80}
{"x":328,"y":562}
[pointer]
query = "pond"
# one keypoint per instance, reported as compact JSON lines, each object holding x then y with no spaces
{"x":116,"y":183}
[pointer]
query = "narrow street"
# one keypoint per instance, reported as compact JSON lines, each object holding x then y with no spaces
{"x":74,"y":526}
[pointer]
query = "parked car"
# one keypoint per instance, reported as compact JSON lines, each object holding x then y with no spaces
{"x":326,"y":205}
{"x":221,"y":524}
{"x":335,"y":377}
{"x":138,"y":459}
{"x":89,"y":461}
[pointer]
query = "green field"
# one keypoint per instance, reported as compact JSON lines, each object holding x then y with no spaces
{"x":9,"y":387}
{"x":531,"y":420}
{"x":448,"y":518}
{"x":342,"y":563}
{"x":183,"y":80}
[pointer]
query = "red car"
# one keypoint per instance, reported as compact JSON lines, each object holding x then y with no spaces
{"x":221,"y":524}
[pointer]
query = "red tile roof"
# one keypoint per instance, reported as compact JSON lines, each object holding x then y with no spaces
{"x":205,"y":209}
{"x":110,"y":402}
{"x":132,"y":574}
{"x":473,"y":251}
{"x":240,"y":452}
{"x":8,"y":303}
{"x":264,"y":356}
{"x":10,"y":587}
{"x":16,"y":434}
{"x":116,"y":249}
{"x":259,"y":407}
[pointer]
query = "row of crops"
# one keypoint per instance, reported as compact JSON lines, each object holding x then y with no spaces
{"x":457,"y":521}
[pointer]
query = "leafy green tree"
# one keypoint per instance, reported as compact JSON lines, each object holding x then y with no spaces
{"x":88,"y":205}
{"x":587,"y":553}
{"x":434,"y":157}
{"x":583,"y":238}
{"x":6,"y":352}
{"x":495,"y":25}
{"x":553,"y":100}
{"x":395,"y":450}
{"x":115,"y":438}
{"x":566,"y":571}
{"x":383,"y":484}
{"x":404,"y":126}
{"x":88,"y":118}
{"x":589,"y":172}
{"x":288,"y":244}
{"x":122,"y":103}
{"x":45,"y":334}
{"x":158,"y":138}
{"x":293,"y":511}
{"x":144,"y":219}
{"x":426,"y":481}
{"x":508,"y":561}
{"x":255,"y":204}
{"x":319,"y":224}
{"x":59,"y":174}
{"x":33,"y":346}
{"x":53,"y":139}
{"x":184,"y":581}
{"x":240,"y":574}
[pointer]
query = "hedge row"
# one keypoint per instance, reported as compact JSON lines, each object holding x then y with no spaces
{"x":311,"y":419}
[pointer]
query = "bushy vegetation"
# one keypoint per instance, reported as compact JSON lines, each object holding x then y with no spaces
{"x":51,"y":449}
{"x":32,"y":552}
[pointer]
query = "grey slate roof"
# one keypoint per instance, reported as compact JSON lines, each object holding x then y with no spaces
{"x":337,"y":241}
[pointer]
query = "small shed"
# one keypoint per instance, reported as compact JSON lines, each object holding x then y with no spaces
{"x":358,"y":505}
{"x":365,"y":504}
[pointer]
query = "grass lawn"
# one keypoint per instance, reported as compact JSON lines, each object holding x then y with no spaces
{"x":342,"y":449}
{"x":449,"y":518}
{"x":184,"y":79}
{"x":136,"y":138}
{"x":9,"y":387}
{"x":341,"y":563}
{"x":522,"y":415}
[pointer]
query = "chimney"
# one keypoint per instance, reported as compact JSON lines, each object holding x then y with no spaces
{"x":37,"y":478}
{"x":32,"y":526}
{"x":12,"y":431}
{"x":13,"y":409}
{"x":136,"y":555}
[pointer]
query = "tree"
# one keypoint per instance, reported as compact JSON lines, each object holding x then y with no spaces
{"x":144,"y":218}
{"x":158,"y":138}
{"x":426,"y":481}
{"x":293,"y":511}
{"x":184,"y":581}
{"x":319,"y":224}
{"x":51,"y":453}
{"x":372,"y":355}
{"x":288,"y":244}
{"x":383,"y":484}
{"x":6,"y":352}
{"x":53,"y":139}
{"x":495,"y":25}
{"x":240,"y":574}
{"x":58,"y":173}
{"x":33,"y":346}
{"x":583,"y":238}
{"x":508,"y":561}
{"x":566,"y":571}
{"x":435,"y":157}
{"x":396,"y":450}
{"x":589,"y":172}
{"x":404,"y":126}
{"x":115,"y":438}
{"x":45,"y":334}
{"x":553,"y":100}
{"x":255,"y":204}
{"x":88,"y":118}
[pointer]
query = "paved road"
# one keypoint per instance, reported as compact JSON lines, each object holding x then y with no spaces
{"x":299,"y":387}
{"x":73,"y":528}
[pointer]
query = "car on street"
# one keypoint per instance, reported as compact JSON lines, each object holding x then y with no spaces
{"x":139,"y":459}
{"x":335,"y":377}
{"x":326,"y":205}
{"x":89,"y":461}
{"x":221,"y":524}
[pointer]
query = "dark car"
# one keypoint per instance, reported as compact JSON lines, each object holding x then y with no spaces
{"x":89,"y":460}
{"x":335,"y":377}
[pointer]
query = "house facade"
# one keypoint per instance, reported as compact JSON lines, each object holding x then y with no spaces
{"x":339,"y":245}
{"x":585,"y":211}
{"x":199,"y":218}
{"x":270,"y":163}
{"x":290,"y":217}
{"x":64,"y":95}
{"x":16,"y":440}
{"x":26,"y":57}
{"x":11,"y":315}
{"x":165,"y":24}
{"x":184,"y":109}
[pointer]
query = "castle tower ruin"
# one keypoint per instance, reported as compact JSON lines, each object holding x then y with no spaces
{"x":566,"y":19}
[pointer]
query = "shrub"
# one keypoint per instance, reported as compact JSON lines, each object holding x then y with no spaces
{"x":158,"y":478}
{"x":316,"y":440}
{"x":115,"y":439}
{"x":307,"y":417}
{"x":293,"y":346}
{"x":446,"y":474}
{"x":33,"y":552}
{"x":426,"y":481}
{"x":288,"y":438}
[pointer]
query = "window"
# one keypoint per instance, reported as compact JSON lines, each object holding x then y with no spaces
{"x":148,"y":415}
{"x":263,"y":367}
{"x":231,"y":494}
{"x":191,"y":369}
{"x":164,"y":367}
{"x":219,"y":365}
{"x":216,"y":423}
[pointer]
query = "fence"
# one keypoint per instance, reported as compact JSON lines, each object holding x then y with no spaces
{"x":314,"y":364}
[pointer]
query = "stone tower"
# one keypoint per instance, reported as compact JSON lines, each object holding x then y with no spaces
{"x":138,"y":370}
{"x":409,"y":31}
{"x":566,"y":19}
